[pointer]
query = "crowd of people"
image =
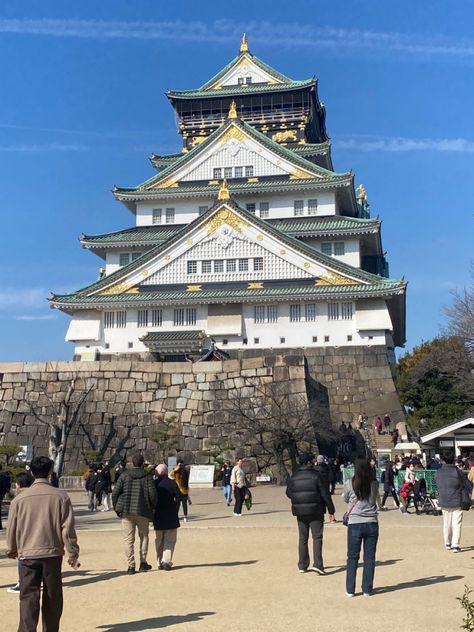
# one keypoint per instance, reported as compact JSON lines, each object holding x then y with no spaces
{"x":41,"y":520}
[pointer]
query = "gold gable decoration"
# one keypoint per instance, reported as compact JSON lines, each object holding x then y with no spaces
{"x":298,"y":174}
{"x":233,"y":110}
{"x":225,"y":216}
{"x":118,"y":288}
{"x":231,"y":133}
{"x":194,"y":288}
{"x":332,"y":278}
{"x":197,"y":140}
{"x":169,"y":183}
{"x":223,"y":191}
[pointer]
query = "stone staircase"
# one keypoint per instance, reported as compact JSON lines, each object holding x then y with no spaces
{"x":376,"y":442}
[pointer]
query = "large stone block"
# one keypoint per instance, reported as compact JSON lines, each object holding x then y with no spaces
{"x":207,"y":367}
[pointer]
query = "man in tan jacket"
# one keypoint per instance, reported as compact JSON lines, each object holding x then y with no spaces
{"x":40,"y":528}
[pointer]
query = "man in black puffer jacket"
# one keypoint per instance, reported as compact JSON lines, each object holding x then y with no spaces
{"x":309,"y":499}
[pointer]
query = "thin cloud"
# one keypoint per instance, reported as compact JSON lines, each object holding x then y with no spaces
{"x":79,"y":132}
{"x":39,"y":148}
{"x":330,"y":40}
{"x":43,"y":317}
{"x":25,"y":297}
{"x":399,"y":144}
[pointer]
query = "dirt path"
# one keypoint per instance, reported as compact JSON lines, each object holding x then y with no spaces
{"x":240,"y":573}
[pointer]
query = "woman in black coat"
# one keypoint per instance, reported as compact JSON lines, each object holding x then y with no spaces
{"x":165,"y":520}
{"x":389,"y":485}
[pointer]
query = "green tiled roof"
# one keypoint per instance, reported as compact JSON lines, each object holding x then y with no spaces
{"x":229,"y":91}
{"x":385,"y":287}
{"x":167,"y":336}
{"x":173,"y":341}
{"x":311,"y":149}
{"x":314,"y":226}
{"x":284,"y":152}
{"x":327,"y":261}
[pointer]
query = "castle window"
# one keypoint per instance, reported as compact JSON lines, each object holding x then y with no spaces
{"x":227,"y":172}
{"x":224,"y":341}
{"x":326,"y":248}
{"x":156,"y":216}
{"x":256,"y":341}
{"x":326,"y":338}
{"x":339,"y":248}
{"x":312,"y":207}
{"x":109,"y":320}
{"x":346,"y":311}
{"x":248,"y":79}
{"x":217,"y":173}
{"x":295,"y":313}
{"x":219,"y":265}
{"x":206,"y":266}
{"x":136,"y":255}
{"x":250,"y":207}
{"x":107,"y":345}
{"x":170,"y":215}
{"x":259,"y":314}
{"x":258,"y":264}
{"x":121,"y":319}
{"x":240,"y":81}
{"x":249,"y":171}
{"x":245,"y":341}
{"x":156,"y":318}
{"x":349,"y":338}
{"x":124,"y":259}
{"x":272,"y":313}
{"x":192,"y":267}
{"x":315,"y":339}
{"x":231,"y":265}
{"x":130,"y":345}
{"x":178,"y":318}
{"x":238,"y":172}
{"x":282,"y":341}
{"x":333,"y":311}
{"x":298,"y":207}
{"x":190,"y":316}
{"x":143,"y":318}
{"x":243,"y":265}
{"x":202,"y":209}
{"x":310,"y":311}
{"x":264,"y":209}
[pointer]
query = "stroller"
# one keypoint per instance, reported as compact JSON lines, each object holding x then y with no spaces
{"x":424,"y":501}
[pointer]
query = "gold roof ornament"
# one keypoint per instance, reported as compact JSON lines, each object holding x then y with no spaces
{"x":223,"y":191}
{"x":244,"y":45}
{"x":232,"y":110}
{"x":361,"y":192}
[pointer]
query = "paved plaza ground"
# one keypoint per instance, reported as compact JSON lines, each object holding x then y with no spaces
{"x":241,"y":574}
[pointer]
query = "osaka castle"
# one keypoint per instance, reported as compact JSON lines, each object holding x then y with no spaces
{"x":246,"y":239}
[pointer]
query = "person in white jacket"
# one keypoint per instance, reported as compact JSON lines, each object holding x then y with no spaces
{"x":237,"y":480}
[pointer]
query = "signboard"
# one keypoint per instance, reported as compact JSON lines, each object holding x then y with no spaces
{"x":201,"y":476}
{"x":25,"y":454}
{"x":172,"y":461}
{"x":446,"y":443}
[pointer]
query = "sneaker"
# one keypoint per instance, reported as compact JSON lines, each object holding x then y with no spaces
{"x":456,"y":549}
{"x":367,"y":594}
{"x":301,"y":570}
{"x":14,"y":589}
{"x":236,"y":514}
{"x":319,"y":571}
{"x":349,"y":594}
{"x":165,"y":566}
{"x":131,"y":570}
{"x":144,"y":567}
{"x":185,"y":519}
{"x":447,"y":547}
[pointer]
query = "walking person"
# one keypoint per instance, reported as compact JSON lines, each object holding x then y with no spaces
{"x":450,"y":486}
{"x":378,"y":425}
{"x":119,"y":470}
{"x":181,"y":476}
{"x":91,"y":488}
{"x":134,"y":500}
{"x":226,"y":486}
{"x":389,"y":485}
{"x":237,"y":481}
{"x":373,"y":465}
{"x":165,"y":520}
{"x":103,"y":488}
{"x":40,"y":529}
{"x":22,"y":482}
{"x":360,"y":494}
{"x":387,"y":422}
{"x":310,"y":498}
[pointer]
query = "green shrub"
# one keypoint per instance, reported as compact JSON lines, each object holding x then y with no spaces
{"x":468,"y":605}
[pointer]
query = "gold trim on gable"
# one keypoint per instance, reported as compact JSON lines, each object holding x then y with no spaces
{"x":118,"y":288}
{"x":194,"y":288}
{"x":332,"y":278}
{"x":298,"y":174}
{"x":231,"y":133}
{"x":225,"y":216}
{"x":281,"y":137}
{"x":169,"y":183}
{"x":253,"y":285}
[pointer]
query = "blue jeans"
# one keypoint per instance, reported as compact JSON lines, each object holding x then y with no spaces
{"x":368,"y":533}
{"x":228,"y":493}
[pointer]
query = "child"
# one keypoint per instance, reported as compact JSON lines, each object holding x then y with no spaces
{"x":23,"y":480}
{"x":405,"y":491}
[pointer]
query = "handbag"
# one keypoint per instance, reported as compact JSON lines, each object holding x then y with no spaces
{"x":345,"y":517}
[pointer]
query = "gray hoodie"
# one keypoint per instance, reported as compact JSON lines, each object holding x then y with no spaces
{"x":363,"y":510}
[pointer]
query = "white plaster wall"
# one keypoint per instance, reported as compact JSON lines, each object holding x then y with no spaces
{"x":297,"y":334}
{"x":280,"y":206}
{"x":351,"y":254}
{"x":244,"y":70}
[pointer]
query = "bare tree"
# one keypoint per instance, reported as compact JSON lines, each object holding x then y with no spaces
{"x":61,"y":418}
{"x":278,"y":424}
{"x":166,"y":436}
{"x":461,"y":314}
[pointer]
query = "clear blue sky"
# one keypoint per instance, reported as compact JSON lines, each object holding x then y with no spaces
{"x":83,"y":107}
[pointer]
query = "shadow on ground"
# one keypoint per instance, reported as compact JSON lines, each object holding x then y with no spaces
{"x":210,"y":565}
{"x":418,"y":583}
{"x":332,"y":570}
{"x":154,"y":623}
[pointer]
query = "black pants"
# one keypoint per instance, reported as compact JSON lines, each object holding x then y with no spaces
{"x":315,"y":524}
{"x":394,"y":494}
{"x":33,"y":573}
{"x":239,"y":495}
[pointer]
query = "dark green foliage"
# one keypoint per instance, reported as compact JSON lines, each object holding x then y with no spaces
{"x":9,"y":454}
{"x":468,"y":605}
{"x":435,"y":383}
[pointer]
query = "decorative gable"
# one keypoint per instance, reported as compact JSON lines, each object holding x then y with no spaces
{"x":245,"y":72}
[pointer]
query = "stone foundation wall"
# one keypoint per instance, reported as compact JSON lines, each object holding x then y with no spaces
{"x":129,"y":398}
